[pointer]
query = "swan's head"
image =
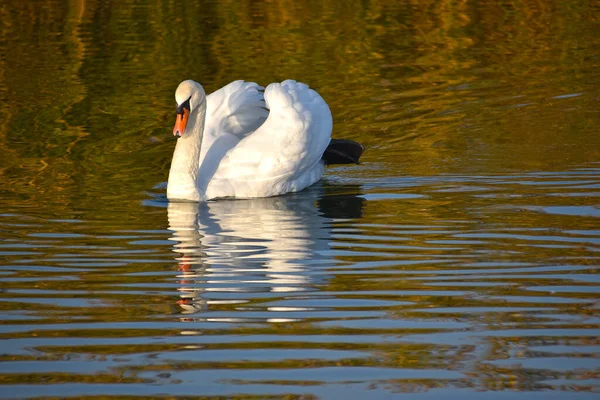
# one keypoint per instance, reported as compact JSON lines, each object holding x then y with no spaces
{"x":189,"y":95}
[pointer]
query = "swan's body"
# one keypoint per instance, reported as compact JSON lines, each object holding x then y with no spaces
{"x":237,"y":142}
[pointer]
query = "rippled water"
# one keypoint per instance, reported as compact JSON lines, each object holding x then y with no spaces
{"x":461,"y":258}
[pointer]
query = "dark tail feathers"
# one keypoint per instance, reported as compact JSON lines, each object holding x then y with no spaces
{"x":343,"y":151}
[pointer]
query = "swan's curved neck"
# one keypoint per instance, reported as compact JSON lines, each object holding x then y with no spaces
{"x":183,"y":176}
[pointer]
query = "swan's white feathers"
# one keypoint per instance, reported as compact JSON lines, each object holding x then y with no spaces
{"x":290,"y":141}
{"x":238,"y":108}
{"x":191,"y":90}
{"x":252,"y":144}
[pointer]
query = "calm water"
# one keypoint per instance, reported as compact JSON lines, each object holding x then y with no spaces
{"x":460,"y":259}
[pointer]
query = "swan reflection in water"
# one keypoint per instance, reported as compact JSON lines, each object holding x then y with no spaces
{"x":228,"y":249}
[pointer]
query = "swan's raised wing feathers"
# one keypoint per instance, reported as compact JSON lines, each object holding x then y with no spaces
{"x":290,"y":141}
{"x":237,"y":108}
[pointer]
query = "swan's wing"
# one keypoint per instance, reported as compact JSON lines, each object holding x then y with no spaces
{"x":291,"y":140}
{"x":237,"y":108}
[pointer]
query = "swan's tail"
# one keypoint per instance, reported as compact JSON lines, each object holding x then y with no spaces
{"x":343,"y":151}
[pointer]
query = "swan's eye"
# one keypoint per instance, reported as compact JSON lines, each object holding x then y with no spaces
{"x":184,"y":106}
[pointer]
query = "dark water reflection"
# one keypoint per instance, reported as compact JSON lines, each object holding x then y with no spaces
{"x":459,"y":259}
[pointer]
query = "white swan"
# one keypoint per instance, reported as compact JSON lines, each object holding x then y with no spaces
{"x":239,"y":142}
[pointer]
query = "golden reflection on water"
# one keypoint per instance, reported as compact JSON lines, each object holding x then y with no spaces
{"x":430,"y":86}
{"x":460,"y":256}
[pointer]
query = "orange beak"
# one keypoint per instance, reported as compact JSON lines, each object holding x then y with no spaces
{"x":181,"y":123}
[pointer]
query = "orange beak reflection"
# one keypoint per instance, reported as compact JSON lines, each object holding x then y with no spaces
{"x":181,"y":123}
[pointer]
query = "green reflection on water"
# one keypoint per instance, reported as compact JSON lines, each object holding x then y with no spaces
{"x":429,"y":87}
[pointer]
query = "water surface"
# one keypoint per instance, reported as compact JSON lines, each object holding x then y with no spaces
{"x":460,"y":258}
